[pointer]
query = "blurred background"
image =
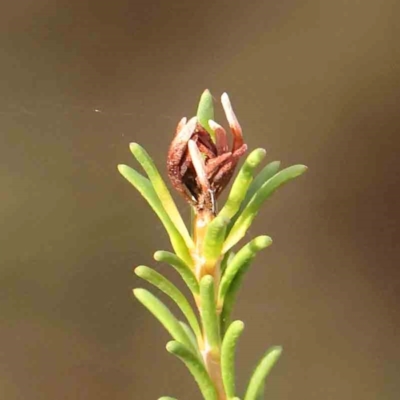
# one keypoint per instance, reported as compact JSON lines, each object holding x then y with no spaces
{"x":314,"y":82}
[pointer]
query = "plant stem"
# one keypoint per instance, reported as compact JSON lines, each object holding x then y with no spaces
{"x":211,"y":354}
{"x":213,"y":366}
{"x":200,"y":224}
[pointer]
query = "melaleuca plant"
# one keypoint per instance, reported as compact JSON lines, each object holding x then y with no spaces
{"x":200,"y":164}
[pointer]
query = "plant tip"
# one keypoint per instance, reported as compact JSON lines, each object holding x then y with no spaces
{"x":133,"y":145}
{"x":138,"y":270}
{"x":276,"y":350}
{"x":121,"y":167}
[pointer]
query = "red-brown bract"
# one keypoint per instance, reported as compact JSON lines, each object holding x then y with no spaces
{"x":200,"y":169}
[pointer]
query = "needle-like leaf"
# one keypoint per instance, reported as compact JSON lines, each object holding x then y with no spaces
{"x":228,"y":350}
{"x":227,"y":259}
{"x":229,"y":301}
{"x":192,"y":337}
{"x":262,"y":370}
{"x":209,"y":313}
{"x":241,"y":183}
{"x":266,"y":173}
{"x":163,"y":284}
{"x":146,"y":189}
{"x":242,"y":260}
{"x":196,"y":368}
{"x":205,"y":112}
{"x":245,"y":219}
{"x":164,"y":315}
{"x":183,"y":269}
{"x":162,"y":191}
{"x":231,"y":286}
{"x":214,"y":239}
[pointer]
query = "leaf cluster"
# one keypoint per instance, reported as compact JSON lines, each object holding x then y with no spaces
{"x":248,"y":193}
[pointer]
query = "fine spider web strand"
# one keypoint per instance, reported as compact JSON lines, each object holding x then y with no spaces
{"x":58,"y":108}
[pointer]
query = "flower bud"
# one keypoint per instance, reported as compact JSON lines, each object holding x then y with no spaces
{"x":200,"y":168}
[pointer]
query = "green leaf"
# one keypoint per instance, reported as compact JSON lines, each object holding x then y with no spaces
{"x":145,"y":188}
{"x":227,"y":259}
{"x":262,"y":370}
{"x":247,"y":216}
{"x":164,"y":315}
{"x":172,"y":291}
{"x":242,"y":260}
{"x":191,"y":336}
{"x":162,"y":191}
{"x":209,"y":312}
{"x":228,"y":356}
{"x":242,"y":183}
{"x":266,"y":173}
{"x":229,"y":302}
{"x":229,"y":298}
{"x":183,"y":269}
{"x":214,"y":239}
{"x":196,"y":368}
{"x":205,"y":112}
{"x":167,"y":398}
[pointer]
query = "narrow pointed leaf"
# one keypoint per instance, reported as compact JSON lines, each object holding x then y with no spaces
{"x":228,"y":257}
{"x":183,"y":269}
{"x":162,"y":191}
{"x":266,"y":173}
{"x":163,"y":284}
{"x":192,"y":337}
{"x":229,"y":301}
{"x":214,"y":239}
{"x":242,"y":260}
{"x":229,"y":297}
{"x":247,"y":216}
{"x":196,"y":368}
{"x":164,"y":315}
{"x":209,"y":313}
{"x":145,"y":188}
{"x":228,"y":350}
{"x":262,"y":370}
{"x":205,"y":112}
{"x":242,"y":183}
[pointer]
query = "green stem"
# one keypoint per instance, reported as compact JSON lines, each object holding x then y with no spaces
{"x":210,"y":346}
{"x":211,"y":351}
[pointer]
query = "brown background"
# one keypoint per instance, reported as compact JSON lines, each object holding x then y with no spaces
{"x":314,"y":82}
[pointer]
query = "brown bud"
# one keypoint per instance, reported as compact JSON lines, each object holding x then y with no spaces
{"x":200,"y":169}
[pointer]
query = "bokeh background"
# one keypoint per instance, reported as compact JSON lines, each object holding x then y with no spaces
{"x":314,"y":82}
